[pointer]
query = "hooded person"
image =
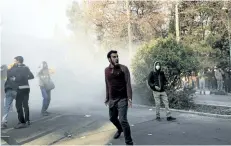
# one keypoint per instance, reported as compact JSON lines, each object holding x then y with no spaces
{"x":157,"y":82}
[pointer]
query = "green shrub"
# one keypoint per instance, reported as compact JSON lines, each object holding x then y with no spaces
{"x":181,"y":99}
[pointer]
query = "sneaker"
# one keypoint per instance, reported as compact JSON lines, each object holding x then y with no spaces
{"x":130,"y":143}
{"x":20,"y":125}
{"x":3,"y":125}
{"x":47,"y":112}
{"x":117,"y":134}
{"x":44,"y":114}
{"x":28,"y":123}
{"x":158,"y":118}
{"x":170,"y":118}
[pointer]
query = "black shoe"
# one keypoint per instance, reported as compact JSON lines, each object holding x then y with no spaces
{"x":117,"y":134}
{"x":158,"y":118}
{"x":130,"y":143}
{"x":171,"y":119}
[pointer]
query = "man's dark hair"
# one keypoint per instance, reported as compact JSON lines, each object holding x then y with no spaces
{"x":111,"y":52}
{"x":19,"y":59}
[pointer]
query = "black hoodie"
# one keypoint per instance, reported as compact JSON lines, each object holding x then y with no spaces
{"x":23,"y":74}
{"x":157,"y":78}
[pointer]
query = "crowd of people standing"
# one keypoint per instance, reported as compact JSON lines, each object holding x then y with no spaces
{"x":218,"y":79}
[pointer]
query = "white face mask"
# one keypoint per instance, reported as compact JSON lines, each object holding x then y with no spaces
{"x":157,"y":67}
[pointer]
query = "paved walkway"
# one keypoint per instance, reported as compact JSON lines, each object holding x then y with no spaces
{"x":91,"y":126}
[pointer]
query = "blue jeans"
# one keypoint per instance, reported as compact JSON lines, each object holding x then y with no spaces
{"x":46,"y":99}
{"x":10,"y":96}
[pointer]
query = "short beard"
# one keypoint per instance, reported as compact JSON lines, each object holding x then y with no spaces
{"x":115,"y":65}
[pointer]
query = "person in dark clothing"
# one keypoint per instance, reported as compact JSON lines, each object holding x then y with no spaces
{"x":157,"y":82}
{"x":10,"y":89}
{"x":118,"y":95}
{"x":214,"y":81}
{"x":227,"y":80}
{"x":23,"y":74}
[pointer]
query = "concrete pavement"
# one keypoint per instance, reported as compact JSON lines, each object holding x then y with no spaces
{"x":91,"y":126}
{"x":187,"y":130}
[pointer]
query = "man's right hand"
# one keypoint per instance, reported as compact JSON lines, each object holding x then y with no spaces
{"x":157,"y":88}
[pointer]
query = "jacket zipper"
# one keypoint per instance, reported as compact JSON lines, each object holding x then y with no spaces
{"x":159,"y":81}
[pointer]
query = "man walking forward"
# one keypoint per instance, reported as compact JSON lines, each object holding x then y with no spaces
{"x":118,"y":95}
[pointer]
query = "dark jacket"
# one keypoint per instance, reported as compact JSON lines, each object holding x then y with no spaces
{"x":157,"y":78}
{"x":226,"y":75}
{"x":118,"y":83}
{"x":23,"y":74}
{"x":209,"y":74}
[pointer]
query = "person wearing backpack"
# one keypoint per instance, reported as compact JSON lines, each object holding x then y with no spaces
{"x":46,"y":85}
{"x":157,"y":82}
{"x":23,"y":75}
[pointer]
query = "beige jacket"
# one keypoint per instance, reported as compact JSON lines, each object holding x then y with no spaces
{"x":43,"y":74}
